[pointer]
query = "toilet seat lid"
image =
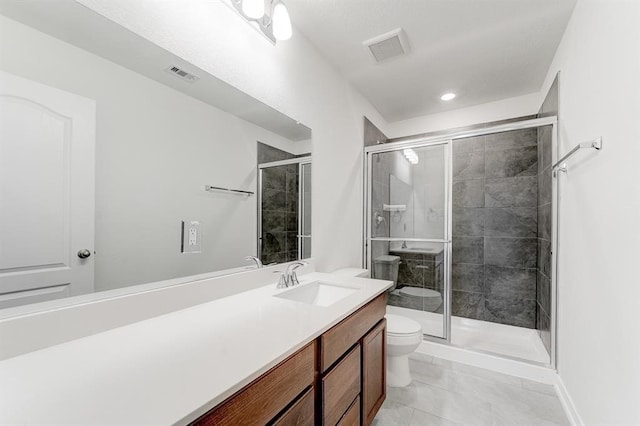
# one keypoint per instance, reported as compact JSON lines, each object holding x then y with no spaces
{"x":386,"y":259}
{"x":397,"y":324}
{"x":420,"y":292}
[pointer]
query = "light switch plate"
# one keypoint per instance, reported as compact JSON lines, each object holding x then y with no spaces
{"x":191,"y":237}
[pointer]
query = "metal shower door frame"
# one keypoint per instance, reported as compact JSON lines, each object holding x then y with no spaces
{"x":445,"y":241}
{"x":450,"y":137}
{"x":301,"y":202}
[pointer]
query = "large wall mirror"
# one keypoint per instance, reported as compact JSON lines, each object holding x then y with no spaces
{"x":122,"y":165}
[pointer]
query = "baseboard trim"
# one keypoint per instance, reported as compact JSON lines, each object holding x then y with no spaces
{"x":567,"y":403}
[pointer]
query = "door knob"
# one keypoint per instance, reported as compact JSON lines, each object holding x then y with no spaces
{"x":83,"y":254}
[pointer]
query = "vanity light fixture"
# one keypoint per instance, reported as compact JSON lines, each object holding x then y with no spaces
{"x":281,"y":22}
{"x":254,"y":9}
{"x":448,"y":96}
{"x":411,"y":155}
{"x":270,"y":16}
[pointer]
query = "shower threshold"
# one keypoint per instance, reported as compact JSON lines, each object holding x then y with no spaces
{"x":516,"y":342}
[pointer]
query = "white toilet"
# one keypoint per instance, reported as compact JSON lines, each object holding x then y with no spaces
{"x":403,"y":337}
{"x":403,"y":334}
{"x":431,"y":299}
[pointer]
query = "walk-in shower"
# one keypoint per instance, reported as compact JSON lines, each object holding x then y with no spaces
{"x":464,"y":224}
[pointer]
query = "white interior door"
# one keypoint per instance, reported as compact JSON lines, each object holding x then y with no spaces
{"x":47,"y":143}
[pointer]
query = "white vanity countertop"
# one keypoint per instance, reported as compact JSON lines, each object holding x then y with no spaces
{"x":173,"y":368}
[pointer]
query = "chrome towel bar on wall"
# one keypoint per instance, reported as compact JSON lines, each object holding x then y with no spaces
{"x":562,"y":166}
{"x":235,"y":191}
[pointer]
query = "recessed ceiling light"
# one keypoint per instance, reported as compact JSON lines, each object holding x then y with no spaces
{"x":448,"y":96}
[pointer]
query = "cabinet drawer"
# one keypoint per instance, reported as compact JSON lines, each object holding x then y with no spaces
{"x":340,"y":338}
{"x":301,"y":413}
{"x":340,"y":387}
{"x":352,"y":416}
{"x":260,"y":401}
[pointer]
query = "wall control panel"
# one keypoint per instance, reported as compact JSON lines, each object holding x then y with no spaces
{"x":191,"y":237}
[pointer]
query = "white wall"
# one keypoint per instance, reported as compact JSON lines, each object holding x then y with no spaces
{"x":599,"y":283}
{"x":493,"y":111}
{"x":291,"y":77}
{"x":156,"y":148}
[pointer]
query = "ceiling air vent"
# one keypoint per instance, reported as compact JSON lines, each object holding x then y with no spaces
{"x":387,"y":46}
{"x":180,"y":73}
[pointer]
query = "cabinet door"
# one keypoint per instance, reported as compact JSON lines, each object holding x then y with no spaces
{"x":373,"y":371}
{"x":301,"y":413}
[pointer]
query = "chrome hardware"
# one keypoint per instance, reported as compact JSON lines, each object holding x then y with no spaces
{"x":378,"y":218}
{"x":84,"y":253}
{"x":404,"y":245}
{"x":256,"y":260}
{"x":561,"y":165}
{"x":235,"y":191}
{"x":289,"y":277}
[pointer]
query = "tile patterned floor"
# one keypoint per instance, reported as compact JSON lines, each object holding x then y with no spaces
{"x":448,"y":393}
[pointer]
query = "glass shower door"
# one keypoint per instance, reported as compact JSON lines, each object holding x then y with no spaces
{"x":408,"y":230}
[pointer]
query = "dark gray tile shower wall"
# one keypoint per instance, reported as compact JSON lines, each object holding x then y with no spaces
{"x":380,"y":188}
{"x":495,"y":227}
{"x":280,"y":214}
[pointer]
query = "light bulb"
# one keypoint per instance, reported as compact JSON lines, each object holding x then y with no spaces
{"x":411,"y":155}
{"x":281,"y":22}
{"x":253,"y":8}
{"x":448,"y":96}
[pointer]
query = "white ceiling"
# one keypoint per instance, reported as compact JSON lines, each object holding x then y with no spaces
{"x":483,"y":50}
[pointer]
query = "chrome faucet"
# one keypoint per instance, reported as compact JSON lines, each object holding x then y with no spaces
{"x":255,"y":259}
{"x":404,"y":245}
{"x":289,"y":277}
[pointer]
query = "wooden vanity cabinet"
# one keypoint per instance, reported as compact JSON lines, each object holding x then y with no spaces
{"x":338,"y":379}
{"x":340,"y":387}
{"x":352,"y":416}
{"x":301,"y":413}
{"x":353,"y":352}
{"x":260,"y":402}
{"x":374,"y":386}
{"x":335,"y":342}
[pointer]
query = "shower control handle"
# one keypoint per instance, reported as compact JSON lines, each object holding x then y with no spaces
{"x":84,"y":253}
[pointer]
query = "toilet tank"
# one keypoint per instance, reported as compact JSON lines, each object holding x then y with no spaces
{"x":386,"y":268}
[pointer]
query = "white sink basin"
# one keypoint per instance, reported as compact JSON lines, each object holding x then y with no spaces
{"x":317,"y":293}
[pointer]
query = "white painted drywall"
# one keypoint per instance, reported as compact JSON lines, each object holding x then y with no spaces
{"x":493,"y":111}
{"x":599,"y":285}
{"x":291,"y":77}
{"x":156,"y":148}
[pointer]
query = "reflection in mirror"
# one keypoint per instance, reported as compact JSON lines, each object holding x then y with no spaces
{"x":106,"y":156}
{"x":284,"y":217}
